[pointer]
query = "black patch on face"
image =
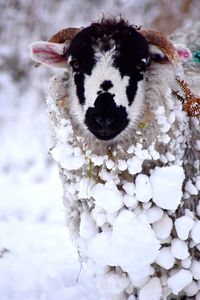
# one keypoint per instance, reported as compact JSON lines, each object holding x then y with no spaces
{"x":106,"y":85}
{"x":131,"y":53}
{"x":132,"y":87}
{"x":106,"y":120}
{"x":80,"y":90}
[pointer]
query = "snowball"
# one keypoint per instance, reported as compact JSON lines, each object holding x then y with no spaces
{"x":186,"y":263}
{"x":125,"y":246}
{"x":134,"y":165}
{"x":183,"y":226}
{"x":143,"y":188}
{"x":99,"y":217}
{"x":167,"y":186}
{"x":165,"y":258}
{"x":122,"y":165}
{"x":128,"y":233}
{"x":179,"y":281}
{"x":100,"y":247}
{"x":152,"y":290}
{"x":190,"y":188}
{"x":195,"y":233}
{"x":179,"y":249}
{"x":130,"y":201}
{"x":113,"y":283}
{"x":163,"y":227}
{"x":65,"y":156}
{"x":191,"y":289}
{"x":195,"y":269}
{"x":129,"y":188}
{"x":154,"y":214}
{"x":107,"y":197}
{"x":110,"y":164}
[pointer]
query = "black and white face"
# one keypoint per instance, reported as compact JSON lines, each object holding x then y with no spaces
{"x":107,"y":62}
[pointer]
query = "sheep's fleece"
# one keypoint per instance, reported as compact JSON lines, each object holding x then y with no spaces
{"x":133,"y":208}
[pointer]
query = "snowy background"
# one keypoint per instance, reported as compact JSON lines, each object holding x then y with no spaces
{"x":37,"y":259}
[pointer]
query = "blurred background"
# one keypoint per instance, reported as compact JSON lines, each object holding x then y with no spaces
{"x":33,"y":237}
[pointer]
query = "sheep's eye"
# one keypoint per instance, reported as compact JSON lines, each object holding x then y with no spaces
{"x":75,"y":64}
{"x":141,"y":66}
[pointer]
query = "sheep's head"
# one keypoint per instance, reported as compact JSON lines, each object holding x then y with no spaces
{"x":106,"y":62}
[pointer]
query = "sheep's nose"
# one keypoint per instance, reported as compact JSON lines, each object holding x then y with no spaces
{"x":105,"y":122}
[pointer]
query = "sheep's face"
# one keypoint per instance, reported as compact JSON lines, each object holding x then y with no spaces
{"x":107,"y":64}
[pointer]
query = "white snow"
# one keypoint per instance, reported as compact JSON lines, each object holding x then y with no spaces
{"x":179,"y":281}
{"x":152,"y":290}
{"x":87,"y":226}
{"x":113,"y":283}
{"x":183,"y":226}
{"x":167,"y":186}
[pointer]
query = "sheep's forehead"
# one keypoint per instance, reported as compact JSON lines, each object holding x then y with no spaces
{"x":125,"y":51}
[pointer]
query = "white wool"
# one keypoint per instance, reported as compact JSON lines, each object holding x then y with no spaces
{"x":195,"y":269}
{"x":179,"y":249}
{"x":152,"y":290}
{"x":195,"y":232}
{"x":154,"y":214}
{"x":167,"y":186}
{"x":165,"y":258}
{"x":125,"y":246}
{"x":143,"y":188}
{"x":107,"y":196}
{"x":163,"y":227}
{"x":179,"y":281}
{"x":183,"y":226}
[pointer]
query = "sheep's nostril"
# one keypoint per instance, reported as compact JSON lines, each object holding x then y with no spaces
{"x":105,"y":122}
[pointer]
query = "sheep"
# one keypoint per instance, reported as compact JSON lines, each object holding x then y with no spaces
{"x":127,"y":156}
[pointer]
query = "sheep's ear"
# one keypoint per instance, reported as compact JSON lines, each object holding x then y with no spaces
{"x":184,"y":52}
{"x":158,"y":56}
{"x":51,"y":54}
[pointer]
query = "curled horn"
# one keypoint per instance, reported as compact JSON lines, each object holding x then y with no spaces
{"x":64,"y":35}
{"x":191,"y":103}
{"x":158,"y":39}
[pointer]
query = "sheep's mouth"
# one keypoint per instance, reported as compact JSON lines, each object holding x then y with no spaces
{"x":107,"y":134}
